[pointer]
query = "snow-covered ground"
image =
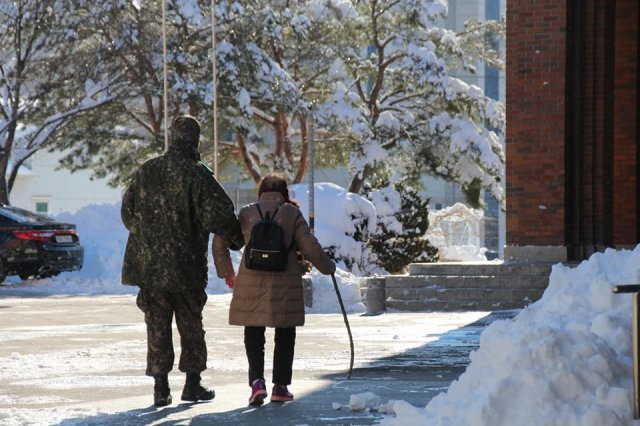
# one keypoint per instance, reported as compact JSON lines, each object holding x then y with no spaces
{"x":564,"y":360}
{"x":80,"y":361}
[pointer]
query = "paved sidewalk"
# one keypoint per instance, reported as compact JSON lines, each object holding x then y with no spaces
{"x":80,"y":360}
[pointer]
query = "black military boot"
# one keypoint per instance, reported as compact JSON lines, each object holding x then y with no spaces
{"x":161,"y":391}
{"x":193,"y":391}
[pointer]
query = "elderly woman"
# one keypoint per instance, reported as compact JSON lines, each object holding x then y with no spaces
{"x":269,"y":298}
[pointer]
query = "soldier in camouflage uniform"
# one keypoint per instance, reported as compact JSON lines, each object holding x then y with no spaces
{"x":171,"y":206}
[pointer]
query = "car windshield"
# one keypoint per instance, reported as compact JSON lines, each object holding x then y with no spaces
{"x":20,"y":215}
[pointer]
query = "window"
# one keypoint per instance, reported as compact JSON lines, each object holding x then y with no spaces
{"x":41,"y":205}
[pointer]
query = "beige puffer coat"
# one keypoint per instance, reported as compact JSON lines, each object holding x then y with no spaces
{"x":271,"y":299}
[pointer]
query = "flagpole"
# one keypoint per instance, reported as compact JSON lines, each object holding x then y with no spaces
{"x":164,"y":76}
{"x":214,"y":88}
{"x":312,"y":160}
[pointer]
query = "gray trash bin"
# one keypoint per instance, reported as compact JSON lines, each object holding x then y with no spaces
{"x":375,"y":296}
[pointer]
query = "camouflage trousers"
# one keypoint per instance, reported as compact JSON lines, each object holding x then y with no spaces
{"x":159,"y":308}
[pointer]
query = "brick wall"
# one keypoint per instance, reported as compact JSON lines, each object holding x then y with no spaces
{"x":535,"y":135}
{"x":572,"y":124}
{"x":625,"y":135}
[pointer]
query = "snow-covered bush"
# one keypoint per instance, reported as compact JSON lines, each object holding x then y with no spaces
{"x":344,"y":222}
{"x":402,"y":222}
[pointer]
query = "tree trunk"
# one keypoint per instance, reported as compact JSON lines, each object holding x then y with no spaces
{"x":356,"y":184}
{"x":4,"y":192}
{"x":246,"y":159}
{"x":5,"y":155}
{"x":278,"y":131}
{"x":304,"y":155}
{"x":287,"y":142}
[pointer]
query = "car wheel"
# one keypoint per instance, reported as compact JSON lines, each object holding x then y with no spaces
{"x":3,"y":276}
{"x":24,"y":277}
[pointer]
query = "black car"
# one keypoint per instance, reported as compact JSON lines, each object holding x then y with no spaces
{"x":33,"y":245}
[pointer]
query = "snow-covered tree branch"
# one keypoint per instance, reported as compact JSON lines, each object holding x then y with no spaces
{"x":46,"y":80}
{"x":398,"y":97}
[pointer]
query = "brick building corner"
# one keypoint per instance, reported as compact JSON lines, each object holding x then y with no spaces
{"x":572,"y":136}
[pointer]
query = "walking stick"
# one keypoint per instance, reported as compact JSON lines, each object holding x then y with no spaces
{"x":346,"y":321}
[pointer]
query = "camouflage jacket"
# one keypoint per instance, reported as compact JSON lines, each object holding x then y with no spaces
{"x":171,"y":206}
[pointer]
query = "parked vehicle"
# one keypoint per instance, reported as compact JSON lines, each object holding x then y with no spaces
{"x":33,"y":245}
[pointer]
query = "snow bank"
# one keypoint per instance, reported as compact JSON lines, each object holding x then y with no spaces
{"x":324,"y":294}
{"x":104,"y":238}
{"x":564,"y":360}
{"x":340,"y":215}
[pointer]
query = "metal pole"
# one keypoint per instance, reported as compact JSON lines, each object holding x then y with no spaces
{"x":636,"y":359}
{"x":312,"y":154}
{"x":215,"y":88}
{"x":165,"y":103}
{"x":635,"y":289}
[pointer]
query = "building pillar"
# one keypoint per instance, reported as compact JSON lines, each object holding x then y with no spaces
{"x":535,"y":137}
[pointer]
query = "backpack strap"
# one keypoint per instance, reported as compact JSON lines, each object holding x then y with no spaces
{"x":259,"y":211}
{"x":262,"y":216}
{"x":275,"y":213}
{"x":292,"y":240}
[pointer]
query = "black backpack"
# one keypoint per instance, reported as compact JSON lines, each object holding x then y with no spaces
{"x":266,"y":250}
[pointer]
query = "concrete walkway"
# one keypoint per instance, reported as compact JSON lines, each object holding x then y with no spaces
{"x":80,"y":360}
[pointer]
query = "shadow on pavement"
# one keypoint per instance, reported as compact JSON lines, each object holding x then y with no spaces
{"x":416,"y":376}
{"x":141,"y":416}
{"x":448,"y":355}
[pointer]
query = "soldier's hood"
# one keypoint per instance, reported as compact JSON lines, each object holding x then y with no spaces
{"x":184,"y":150}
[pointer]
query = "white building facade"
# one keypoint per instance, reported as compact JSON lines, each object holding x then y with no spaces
{"x":41,"y":186}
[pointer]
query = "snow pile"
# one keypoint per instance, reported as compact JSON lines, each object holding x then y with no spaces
{"x":340,"y":216}
{"x":564,"y":360}
{"x":364,"y":401}
{"x":103,"y":237}
{"x":369,"y":401}
{"x":324,"y":295}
